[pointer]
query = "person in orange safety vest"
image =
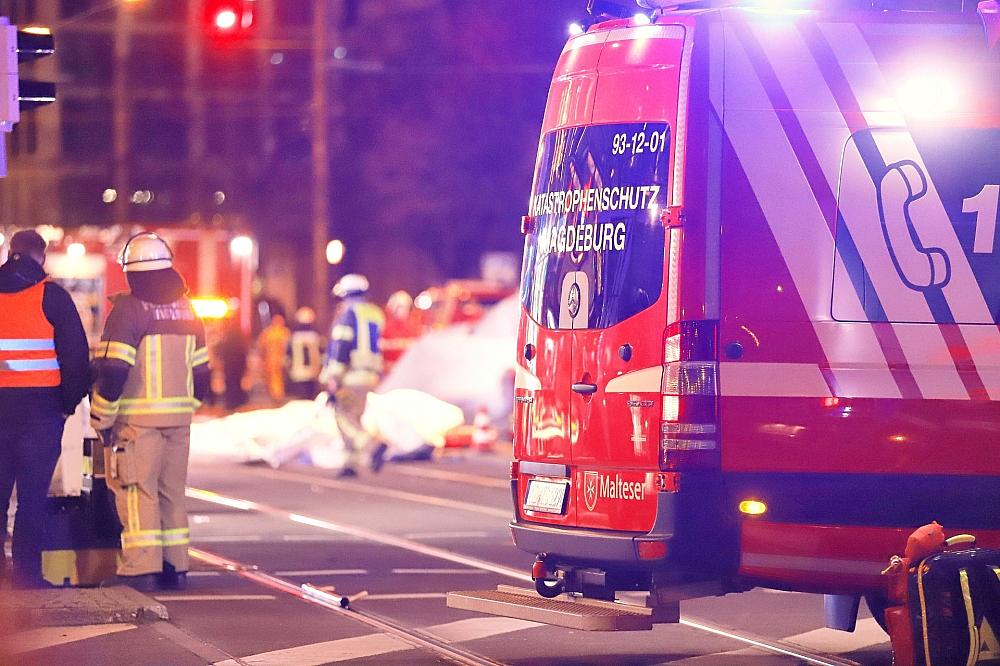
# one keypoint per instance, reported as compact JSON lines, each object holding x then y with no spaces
{"x":44,"y":374}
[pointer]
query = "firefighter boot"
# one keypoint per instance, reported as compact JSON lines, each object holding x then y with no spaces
{"x":171,"y":579}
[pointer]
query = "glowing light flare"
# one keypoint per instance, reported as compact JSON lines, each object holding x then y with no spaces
{"x":641,"y":19}
{"x":752,"y":507}
{"x":575,"y":29}
{"x":210,"y":308}
{"x":36,"y":30}
{"x":76,"y":250}
{"x":225,"y":19}
{"x":335,"y":251}
{"x":424,"y":301}
{"x":931,"y":93}
{"x":241,"y":246}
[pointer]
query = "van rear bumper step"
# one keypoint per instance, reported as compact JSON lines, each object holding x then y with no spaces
{"x":579,"y":544}
{"x":564,"y":611}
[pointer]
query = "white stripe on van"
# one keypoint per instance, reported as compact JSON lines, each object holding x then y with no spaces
{"x":821,"y":120}
{"x":963,"y":293}
{"x":796,"y":222}
{"x":647,"y":32}
{"x":793,"y":380}
{"x":586,"y":39}
{"x":647,"y":380}
{"x":525,"y":380}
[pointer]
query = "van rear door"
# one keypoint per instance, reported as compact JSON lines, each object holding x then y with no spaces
{"x":593,"y":281}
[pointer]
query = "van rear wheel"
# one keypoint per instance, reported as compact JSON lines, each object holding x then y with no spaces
{"x":550,"y":589}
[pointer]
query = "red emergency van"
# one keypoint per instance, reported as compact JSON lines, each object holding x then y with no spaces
{"x":761,"y":293}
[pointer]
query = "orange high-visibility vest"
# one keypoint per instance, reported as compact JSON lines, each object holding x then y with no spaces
{"x":27,"y":343}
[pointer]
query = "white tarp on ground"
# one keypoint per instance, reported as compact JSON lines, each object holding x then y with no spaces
{"x":469,"y":366}
{"x":306,"y":431}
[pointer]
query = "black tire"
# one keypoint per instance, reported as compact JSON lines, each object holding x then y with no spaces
{"x":550,"y":589}
{"x":876,"y":605}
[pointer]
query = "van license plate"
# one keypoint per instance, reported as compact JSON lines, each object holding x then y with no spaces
{"x":546,"y":496}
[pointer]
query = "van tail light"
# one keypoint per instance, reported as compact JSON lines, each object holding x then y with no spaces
{"x":689,"y":434}
{"x":515,"y":469}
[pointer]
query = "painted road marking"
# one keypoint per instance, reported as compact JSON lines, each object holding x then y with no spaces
{"x":447,"y":535}
{"x":46,"y":637}
{"x":444,"y":475}
{"x":866,"y":634}
{"x":354,"y":487}
{"x":434,"y":572}
{"x":480,"y":627}
{"x":216,"y":597}
{"x":450,"y":556}
{"x":402,"y":596}
{"x":323,"y":572}
{"x":199,"y":574}
{"x":363,"y":533}
{"x":328,"y":652}
{"x":374,"y":645}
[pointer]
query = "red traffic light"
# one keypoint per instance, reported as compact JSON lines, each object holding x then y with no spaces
{"x":228,"y":18}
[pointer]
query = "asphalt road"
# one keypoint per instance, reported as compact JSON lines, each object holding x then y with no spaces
{"x":395,"y":544}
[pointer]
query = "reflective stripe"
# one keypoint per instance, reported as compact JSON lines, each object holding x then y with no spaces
{"x":189,"y":352}
{"x":342,"y":332}
{"x":30,"y":365}
{"x":116,"y":350}
{"x":101,"y":407}
{"x":143,"y":406}
{"x":176,"y":537}
{"x":200,"y":356}
{"x":27,"y":344}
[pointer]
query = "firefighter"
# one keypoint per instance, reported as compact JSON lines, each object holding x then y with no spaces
{"x":44,"y":374}
{"x":152,"y":373}
{"x":354,"y":367}
{"x":273,"y":346}
{"x":305,"y":350}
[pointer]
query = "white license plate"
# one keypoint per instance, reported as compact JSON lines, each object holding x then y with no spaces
{"x":546,"y":496}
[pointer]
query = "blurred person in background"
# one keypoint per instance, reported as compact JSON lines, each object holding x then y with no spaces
{"x":402,"y":327}
{"x":44,"y":373}
{"x":354,"y":367}
{"x":232,"y":351}
{"x":152,"y":374}
{"x":273,"y":346}
{"x":305,"y":355}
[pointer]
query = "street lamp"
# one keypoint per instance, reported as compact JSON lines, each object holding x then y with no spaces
{"x":335,"y":252}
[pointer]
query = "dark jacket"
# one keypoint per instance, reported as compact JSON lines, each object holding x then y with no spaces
{"x":19,"y":273}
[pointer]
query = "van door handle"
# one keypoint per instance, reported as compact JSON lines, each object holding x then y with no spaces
{"x":585,"y":389}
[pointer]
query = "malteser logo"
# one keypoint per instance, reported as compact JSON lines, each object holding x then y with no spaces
{"x":599,"y":486}
{"x":590,"y":482}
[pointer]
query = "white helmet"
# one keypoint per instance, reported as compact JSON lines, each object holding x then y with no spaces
{"x":146,"y":252}
{"x":350,"y":284}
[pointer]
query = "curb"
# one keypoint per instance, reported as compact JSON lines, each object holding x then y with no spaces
{"x":79,"y":606}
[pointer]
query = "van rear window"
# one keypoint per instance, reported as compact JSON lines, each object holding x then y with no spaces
{"x":596,"y":204}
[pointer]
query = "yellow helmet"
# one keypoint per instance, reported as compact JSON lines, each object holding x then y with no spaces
{"x":146,"y":252}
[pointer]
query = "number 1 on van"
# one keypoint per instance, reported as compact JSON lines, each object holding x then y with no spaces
{"x":984,"y":205}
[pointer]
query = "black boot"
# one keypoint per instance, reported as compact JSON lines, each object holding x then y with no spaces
{"x":140,"y":583}
{"x":378,"y":456}
{"x":171,"y":578}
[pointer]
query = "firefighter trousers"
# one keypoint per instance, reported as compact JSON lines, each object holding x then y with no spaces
{"x":349,"y":406}
{"x":147,"y":471}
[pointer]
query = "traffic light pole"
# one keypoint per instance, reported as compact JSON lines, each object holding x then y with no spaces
{"x":320,"y":163}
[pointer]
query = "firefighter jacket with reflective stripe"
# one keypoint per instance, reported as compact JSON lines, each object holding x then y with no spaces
{"x":27,"y":341}
{"x":161,"y":348}
{"x":354,"y":357}
{"x":305,"y":351}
